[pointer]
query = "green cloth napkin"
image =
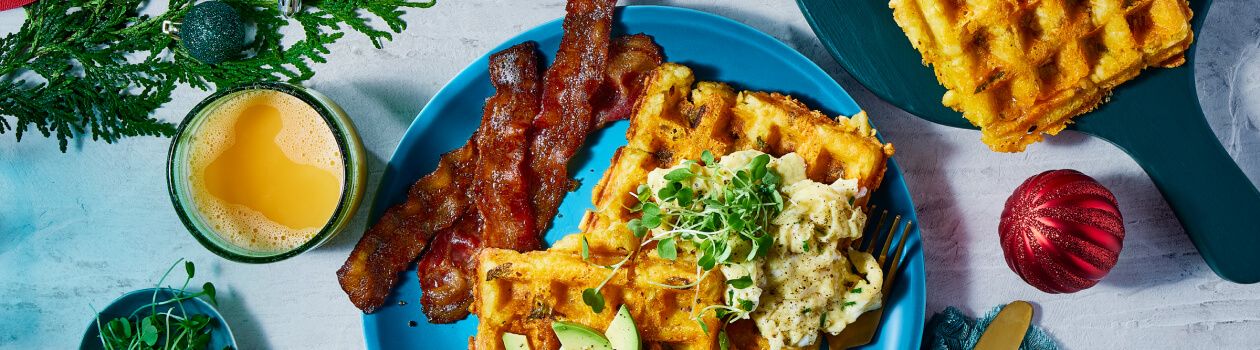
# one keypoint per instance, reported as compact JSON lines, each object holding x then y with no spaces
{"x":952,"y":330}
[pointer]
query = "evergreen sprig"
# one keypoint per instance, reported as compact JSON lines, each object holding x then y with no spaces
{"x":100,"y":68}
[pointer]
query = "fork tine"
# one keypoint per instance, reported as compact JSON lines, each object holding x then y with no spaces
{"x":896,"y":261}
{"x":863,"y":330}
{"x":892,"y":230}
{"x":871,"y":239}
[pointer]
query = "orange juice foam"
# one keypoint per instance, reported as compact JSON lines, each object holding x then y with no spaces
{"x":267,"y":172}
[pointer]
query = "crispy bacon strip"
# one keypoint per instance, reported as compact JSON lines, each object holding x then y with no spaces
{"x":446,"y":271}
{"x":566,"y":115}
{"x":388,"y":247}
{"x":435,"y":201}
{"x":630,"y":57}
{"x":500,"y":180}
{"x":442,"y":203}
{"x":502,"y":216}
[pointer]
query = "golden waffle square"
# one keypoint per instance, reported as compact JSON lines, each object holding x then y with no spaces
{"x":523,"y":293}
{"x":1022,"y":69}
{"x":674,"y":122}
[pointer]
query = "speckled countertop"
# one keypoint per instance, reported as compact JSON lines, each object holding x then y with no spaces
{"x":81,"y":228}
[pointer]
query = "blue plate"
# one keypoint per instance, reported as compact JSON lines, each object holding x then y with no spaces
{"x":716,"y":48}
{"x":220,"y":337}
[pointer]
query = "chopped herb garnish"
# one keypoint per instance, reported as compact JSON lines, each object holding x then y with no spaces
{"x":856,"y":290}
{"x":741,"y":283}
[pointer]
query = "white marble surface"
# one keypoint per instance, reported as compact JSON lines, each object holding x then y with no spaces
{"x":81,"y":228}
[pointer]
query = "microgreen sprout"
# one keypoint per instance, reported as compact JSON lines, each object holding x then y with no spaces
{"x":167,"y":324}
{"x":720,"y":213}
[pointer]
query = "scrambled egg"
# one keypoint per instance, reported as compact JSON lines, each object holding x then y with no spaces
{"x":811,"y":280}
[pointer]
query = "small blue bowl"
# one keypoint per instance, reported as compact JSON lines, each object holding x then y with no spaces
{"x":220,"y":337}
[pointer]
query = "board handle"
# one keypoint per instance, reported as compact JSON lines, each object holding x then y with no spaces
{"x":1158,"y":121}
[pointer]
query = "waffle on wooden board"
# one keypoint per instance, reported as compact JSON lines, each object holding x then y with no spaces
{"x":675,"y":119}
{"x":1020,"y":69}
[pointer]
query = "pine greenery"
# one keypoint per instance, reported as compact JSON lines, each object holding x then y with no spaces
{"x":99,"y":68}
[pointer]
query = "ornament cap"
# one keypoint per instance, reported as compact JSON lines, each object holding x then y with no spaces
{"x":288,"y":8}
{"x":171,"y":28}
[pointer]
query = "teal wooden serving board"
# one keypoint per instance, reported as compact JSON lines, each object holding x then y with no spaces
{"x":1155,"y":118}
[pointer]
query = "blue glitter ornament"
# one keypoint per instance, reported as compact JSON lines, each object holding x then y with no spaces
{"x":212,"y":32}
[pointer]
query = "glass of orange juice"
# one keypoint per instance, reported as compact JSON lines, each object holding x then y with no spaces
{"x":263,"y":172}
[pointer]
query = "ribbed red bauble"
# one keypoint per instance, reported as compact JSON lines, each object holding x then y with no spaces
{"x":1061,"y":231}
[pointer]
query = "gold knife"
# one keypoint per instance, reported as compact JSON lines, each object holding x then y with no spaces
{"x":1008,"y":328}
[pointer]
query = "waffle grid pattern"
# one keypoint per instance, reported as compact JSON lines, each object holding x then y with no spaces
{"x":1019,"y":69}
{"x":674,"y":122}
{"x":523,"y":293}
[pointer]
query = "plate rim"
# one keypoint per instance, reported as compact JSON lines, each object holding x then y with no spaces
{"x":447,"y":92}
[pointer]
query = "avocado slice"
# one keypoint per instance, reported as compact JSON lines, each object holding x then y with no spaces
{"x":513,"y":341}
{"x":574,"y":336}
{"x":622,"y":333}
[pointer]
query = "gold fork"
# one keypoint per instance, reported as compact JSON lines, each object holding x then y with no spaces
{"x":862,"y":331}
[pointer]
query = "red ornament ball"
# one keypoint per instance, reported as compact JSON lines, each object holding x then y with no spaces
{"x":1061,"y":231}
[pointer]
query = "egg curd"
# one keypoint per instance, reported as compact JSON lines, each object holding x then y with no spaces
{"x":809,"y":281}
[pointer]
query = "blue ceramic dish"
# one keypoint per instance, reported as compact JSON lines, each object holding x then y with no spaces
{"x":716,"y":48}
{"x":220,"y":337}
